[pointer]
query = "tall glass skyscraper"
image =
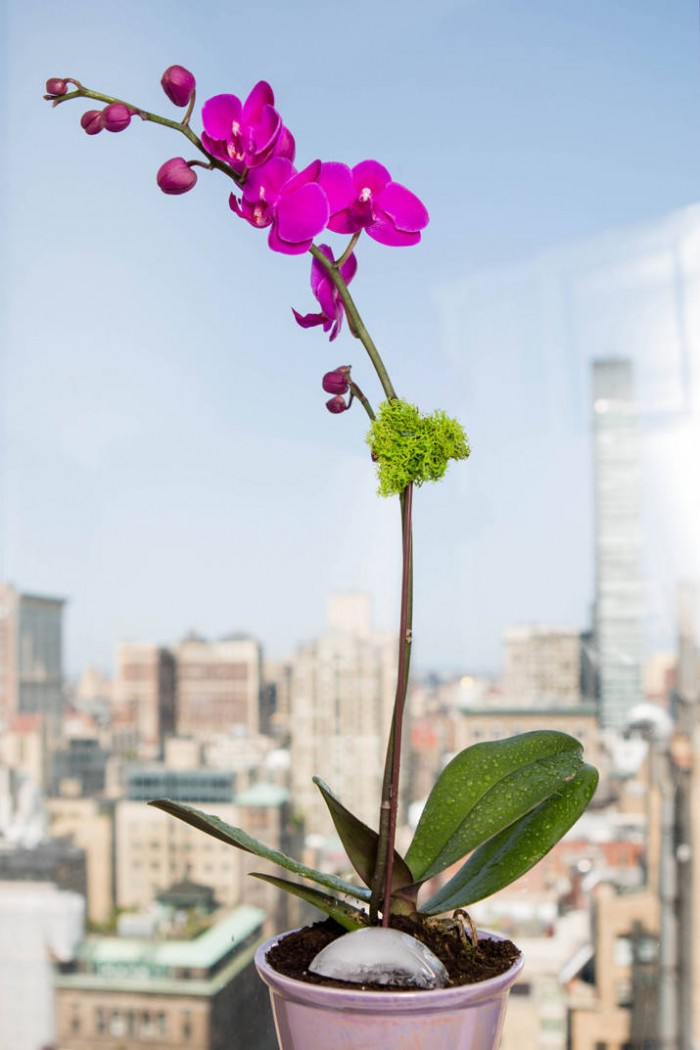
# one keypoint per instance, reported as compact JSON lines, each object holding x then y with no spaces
{"x":31,"y":655}
{"x":618,"y":591}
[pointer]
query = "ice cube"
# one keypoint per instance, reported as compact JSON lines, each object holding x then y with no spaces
{"x":379,"y":955}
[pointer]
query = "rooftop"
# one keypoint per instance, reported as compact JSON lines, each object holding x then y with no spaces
{"x":133,"y":964}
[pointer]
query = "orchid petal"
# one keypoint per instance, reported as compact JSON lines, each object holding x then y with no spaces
{"x":405,"y":210}
{"x":308,"y":174}
{"x":277,"y":244}
{"x":337,"y":182}
{"x":301,"y":215}
{"x":372,"y":175}
{"x":383,"y":231}
{"x":266,"y":130}
{"x":342,"y":222}
{"x":218,"y":115}
{"x":311,"y":320}
{"x":349,"y":268}
{"x":235,"y":205}
{"x":328,"y":299}
{"x":268,"y":180}
{"x":217,"y":147}
{"x":318,"y":271}
{"x":260,"y":96}
{"x":285,"y":145}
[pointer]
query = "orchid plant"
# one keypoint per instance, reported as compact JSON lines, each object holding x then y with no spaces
{"x":502,"y":805}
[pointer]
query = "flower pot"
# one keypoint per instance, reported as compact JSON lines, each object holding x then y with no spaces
{"x":315,"y":1017}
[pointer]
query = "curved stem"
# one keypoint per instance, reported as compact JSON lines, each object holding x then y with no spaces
{"x":355,"y":320}
{"x":348,"y":251}
{"x":356,"y":392}
{"x":388,"y":814}
{"x":154,"y":118}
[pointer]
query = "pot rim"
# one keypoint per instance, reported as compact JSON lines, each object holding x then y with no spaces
{"x":351,"y":998}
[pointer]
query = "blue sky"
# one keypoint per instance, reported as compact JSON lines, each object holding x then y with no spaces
{"x":167,"y":458}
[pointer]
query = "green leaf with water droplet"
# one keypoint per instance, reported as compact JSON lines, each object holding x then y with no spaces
{"x":346,"y":916}
{"x":518,"y":848}
{"x":483,"y":790}
{"x":219,"y":829}
{"x":360,"y":841}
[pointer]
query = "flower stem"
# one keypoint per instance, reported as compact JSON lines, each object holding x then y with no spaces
{"x":181,"y":126}
{"x":384,"y":867}
{"x":355,"y":320}
{"x":388,"y":813}
{"x":348,"y":251}
{"x":356,"y":392}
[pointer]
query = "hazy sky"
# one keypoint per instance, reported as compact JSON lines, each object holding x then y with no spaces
{"x":168,"y":462}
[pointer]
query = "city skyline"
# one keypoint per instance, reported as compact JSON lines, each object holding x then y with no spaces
{"x":168,"y":462}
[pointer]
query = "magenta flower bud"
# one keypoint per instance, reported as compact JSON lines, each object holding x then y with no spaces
{"x":116,"y":116}
{"x":176,"y":176}
{"x":337,"y":381}
{"x":91,"y":122}
{"x":178,"y":84}
{"x":56,"y":86}
{"x":337,"y":404}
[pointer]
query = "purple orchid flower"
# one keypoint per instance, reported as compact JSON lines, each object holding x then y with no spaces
{"x":292,"y":203}
{"x":332,"y":309}
{"x":366,"y":198}
{"x":245,"y":134}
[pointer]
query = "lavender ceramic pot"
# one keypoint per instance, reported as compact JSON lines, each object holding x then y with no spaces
{"x":313,"y":1017}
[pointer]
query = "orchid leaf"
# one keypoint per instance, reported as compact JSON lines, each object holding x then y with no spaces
{"x":516,"y":849}
{"x":360,"y":841}
{"x":483,"y":790}
{"x":347,"y":917}
{"x":219,"y":829}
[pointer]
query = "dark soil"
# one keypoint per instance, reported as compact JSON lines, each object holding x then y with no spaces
{"x":292,"y":955}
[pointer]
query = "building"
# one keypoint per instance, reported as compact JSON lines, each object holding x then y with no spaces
{"x":219,"y":685}
{"x":153,"y":849}
{"x":31,"y":655}
{"x":618,"y":590}
{"x":342,"y":691}
{"x":89,"y":825}
{"x":542,"y":666}
{"x":52,"y":860}
{"x":164,"y":994}
{"x":79,"y":767}
{"x":144,"y":690}
{"x":39,"y":926}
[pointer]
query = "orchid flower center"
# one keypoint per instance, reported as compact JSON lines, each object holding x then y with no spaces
{"x":365,"y":194}
{"x":235,"y":148}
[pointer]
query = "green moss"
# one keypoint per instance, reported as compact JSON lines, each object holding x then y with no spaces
{"x":409,"y":447}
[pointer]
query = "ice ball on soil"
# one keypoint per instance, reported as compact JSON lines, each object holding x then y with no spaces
{"x":378,"y":955}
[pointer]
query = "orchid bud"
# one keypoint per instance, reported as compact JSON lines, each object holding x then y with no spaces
{"x":337,"y":404}
{"x":178,"y":84}
{"x":116,"y":116}
{"x":337,"y":381}
{"x":56,"y":86}
{"x":91,"y":122}
{"x":176,"y":176}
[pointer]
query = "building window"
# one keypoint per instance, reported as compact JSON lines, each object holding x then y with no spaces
{"x":117,"y":1024}
{"x":75,"y":1019}
{"x":100,"y":1021}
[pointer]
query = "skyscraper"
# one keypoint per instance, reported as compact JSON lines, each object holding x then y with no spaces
{"x":618,"y":592}
{"x":31,"y":655}
{"x":342,"y":692}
